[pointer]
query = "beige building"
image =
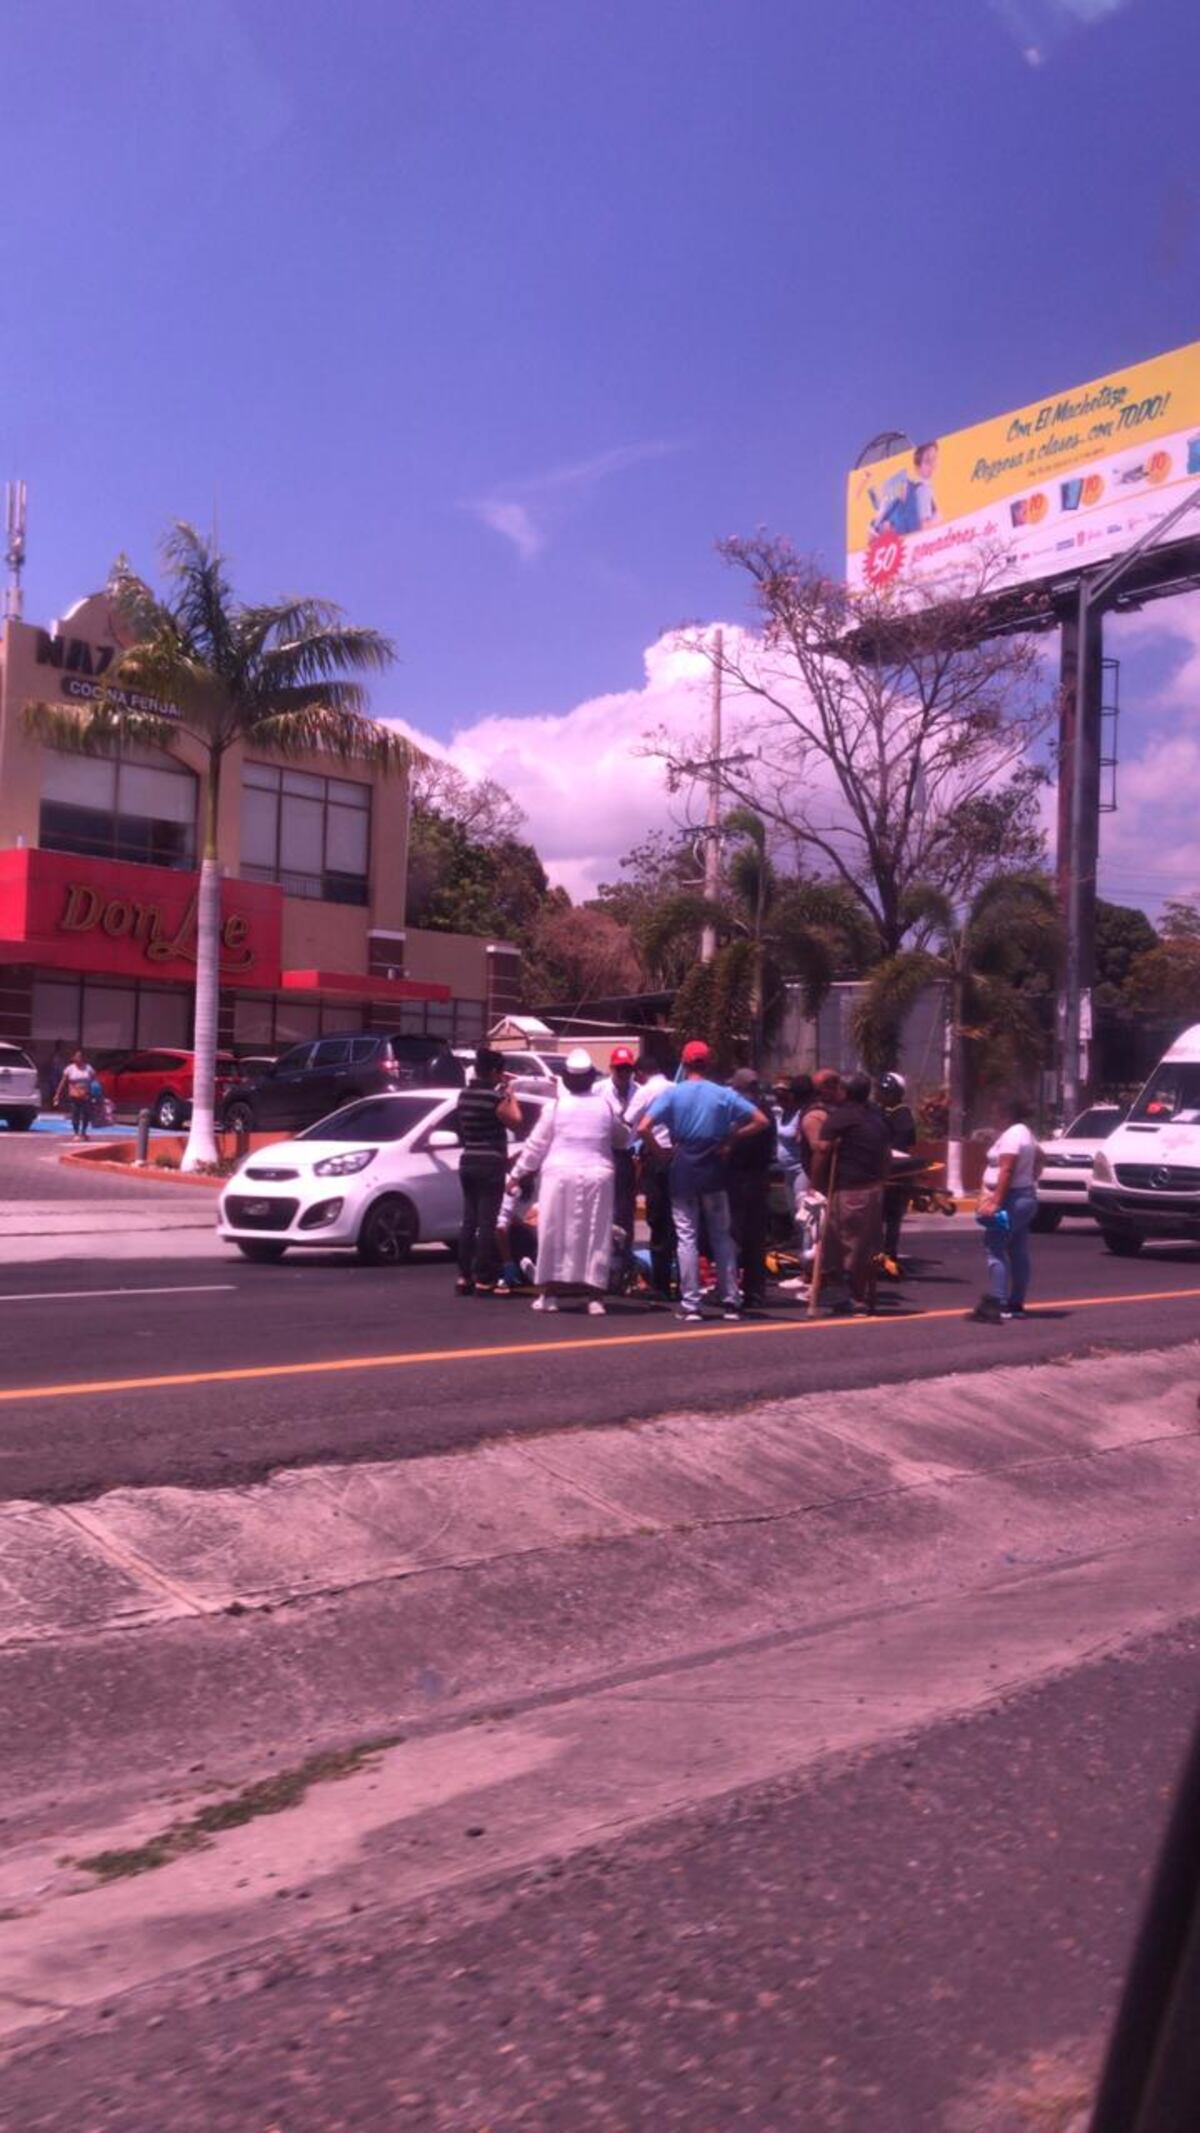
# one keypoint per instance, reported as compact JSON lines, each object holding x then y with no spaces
{"x":98,"y":858}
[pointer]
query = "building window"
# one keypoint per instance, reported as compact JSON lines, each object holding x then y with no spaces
{"x":129,"y":803}
{"x":311,"y":835}
{"x":107,"y":1018}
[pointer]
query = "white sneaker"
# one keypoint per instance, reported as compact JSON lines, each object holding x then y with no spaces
{"x":596,"y":1309}
{"x":545,"y":1303}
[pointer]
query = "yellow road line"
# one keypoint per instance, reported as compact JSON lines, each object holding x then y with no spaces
{"x":595,"y":1344}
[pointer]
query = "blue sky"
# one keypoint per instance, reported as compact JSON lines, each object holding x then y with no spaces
{"x":488,"y":317}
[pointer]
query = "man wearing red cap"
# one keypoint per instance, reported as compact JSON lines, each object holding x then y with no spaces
{"x":703,"y":1119}
{"x":625,"y":1096}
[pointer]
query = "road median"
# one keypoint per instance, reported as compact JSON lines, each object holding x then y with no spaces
{"x":366,"y":1683}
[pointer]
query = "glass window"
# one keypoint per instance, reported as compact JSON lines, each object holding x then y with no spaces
{"x":109,"y":1017}
{"x":341,"y":1018}
{"x":134,"y":804}
{"x":310,"y":834}
{"x":346,"y":841}
{"x":376,"y":1118}
{"x":253,"y":1021}
{"x":164,"y":1017}
{"x":363,"y":1048}
{"x":295,"y":1019}
{"x":56,"y":1009}
{"x":1172,"y":1093}
{"x":332,"y":1051}
{"x":292,"y":1062}
{"x":260,"y":826}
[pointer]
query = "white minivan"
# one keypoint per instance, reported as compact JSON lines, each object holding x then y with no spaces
{"x":1146,"y":1177}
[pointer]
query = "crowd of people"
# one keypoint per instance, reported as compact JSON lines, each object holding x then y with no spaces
{"x":710,"y":1161}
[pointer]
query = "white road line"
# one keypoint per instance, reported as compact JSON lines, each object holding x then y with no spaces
{"x":178,"y":1288}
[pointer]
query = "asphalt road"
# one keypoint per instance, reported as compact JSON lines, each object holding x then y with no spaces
{"x":211,"y":1370}
{"x":925,"y":1939}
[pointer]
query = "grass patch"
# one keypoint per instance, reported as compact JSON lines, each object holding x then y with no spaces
{"x":266,"y":1796}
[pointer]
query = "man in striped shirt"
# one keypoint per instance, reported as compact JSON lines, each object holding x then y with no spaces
{"x":485,"y":1110}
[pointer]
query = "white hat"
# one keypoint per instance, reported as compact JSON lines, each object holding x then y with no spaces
{"x":579,"y":1061}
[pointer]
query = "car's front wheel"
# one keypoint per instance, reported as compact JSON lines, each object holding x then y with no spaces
{"x":170,"y":1111}
{"x":260,"y":1254}
{"x":389,"y":1232}
{"x":1046,"y":1220}
{"x":1123,"y":1243}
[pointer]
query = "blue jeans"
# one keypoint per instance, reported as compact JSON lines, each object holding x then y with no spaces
{"x":686,"y":1207}
{"x":1008,"y":1250}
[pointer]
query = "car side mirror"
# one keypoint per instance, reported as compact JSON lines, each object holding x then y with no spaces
{"x":442,"y":1138}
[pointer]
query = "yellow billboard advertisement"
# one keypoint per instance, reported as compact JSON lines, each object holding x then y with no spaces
{"x":1071,"y":479}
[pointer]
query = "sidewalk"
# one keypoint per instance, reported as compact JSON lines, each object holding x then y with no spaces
{"x":320,"y":1684}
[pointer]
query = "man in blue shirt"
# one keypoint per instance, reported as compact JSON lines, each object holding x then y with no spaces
{"x":703,"y":1119}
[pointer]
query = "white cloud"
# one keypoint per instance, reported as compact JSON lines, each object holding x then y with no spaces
{"x":1040,"y":25}
{"x":528,"y":511}
{"x":589,"y":791}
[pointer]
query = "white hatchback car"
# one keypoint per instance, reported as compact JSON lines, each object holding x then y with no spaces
{"x":377,"y":1177}
{"x":20,"y":1091}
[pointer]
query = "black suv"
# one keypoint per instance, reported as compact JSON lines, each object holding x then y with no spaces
{"x":313,"y":1079}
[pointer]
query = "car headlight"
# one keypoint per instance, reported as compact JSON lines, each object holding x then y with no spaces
{"x":1102,"y":1169}
{"x":344,"y":1166}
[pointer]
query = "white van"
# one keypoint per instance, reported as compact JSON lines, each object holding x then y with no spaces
{"x":1146,"y":1177}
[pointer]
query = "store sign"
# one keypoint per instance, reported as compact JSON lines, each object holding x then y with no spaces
{"x":163,"y":935}
{"x":81,"y":667}
{"x":1072,"y":479}
{"x":113,"y":919}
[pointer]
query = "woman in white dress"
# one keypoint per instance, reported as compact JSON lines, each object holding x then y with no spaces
{"x":572,"y":1146}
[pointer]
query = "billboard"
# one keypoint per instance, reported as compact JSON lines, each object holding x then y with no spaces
{"x":1074,"y":478}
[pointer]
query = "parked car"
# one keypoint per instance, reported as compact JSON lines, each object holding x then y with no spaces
{"x":20,"y":1090}
{"x":159,"y":1081}
{"x":317,"y":1077}
{"x":1067,"y":1159}
{"x":377,"y":1177}
{"x":1146,"y":1178}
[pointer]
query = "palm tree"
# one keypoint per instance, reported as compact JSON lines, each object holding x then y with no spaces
{"x":768,"y":929}
{"x":276,"y":676}
{"x":990,"y":960}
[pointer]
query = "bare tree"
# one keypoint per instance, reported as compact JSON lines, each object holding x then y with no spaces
{"x":482,"y":808}
{"x":885,"y":739}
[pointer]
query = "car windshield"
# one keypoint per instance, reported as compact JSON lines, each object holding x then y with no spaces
{"x":376,"y":1118}
{"x":1094,"y":1125}
{"x":1172,"y":1095}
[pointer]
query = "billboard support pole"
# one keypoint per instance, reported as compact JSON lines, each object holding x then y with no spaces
{"x":1079,"y":805}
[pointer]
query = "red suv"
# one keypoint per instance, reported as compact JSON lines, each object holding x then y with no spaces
{"x":160,"y":1082}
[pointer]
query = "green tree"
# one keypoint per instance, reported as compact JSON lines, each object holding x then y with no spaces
{"x":277,"y":676}
{"x":1123,"y":933}
{"x":1165,"y":981}
{"x":794,"y":930}
{"x":577,"y":954}
{"x":1180,"y":920}
{"x":983,"y":958}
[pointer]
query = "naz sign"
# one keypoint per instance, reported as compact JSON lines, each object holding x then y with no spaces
{"x":111,"y":919}
{"x":82,"y":666}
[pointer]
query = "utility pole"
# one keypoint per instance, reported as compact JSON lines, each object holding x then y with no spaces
{"x":712,"y":840}
{"x":14,"y":549}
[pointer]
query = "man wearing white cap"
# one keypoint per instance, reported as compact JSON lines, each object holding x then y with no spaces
{"x":573,"y":1146}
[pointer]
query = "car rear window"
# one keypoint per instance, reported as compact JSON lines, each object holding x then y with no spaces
{"x":12,"y":1056}
{"x":376,"y":1118}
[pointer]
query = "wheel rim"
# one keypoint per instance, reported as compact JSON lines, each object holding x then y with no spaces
{"x":169,"y":1112}
{"x":392,"y":1234}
